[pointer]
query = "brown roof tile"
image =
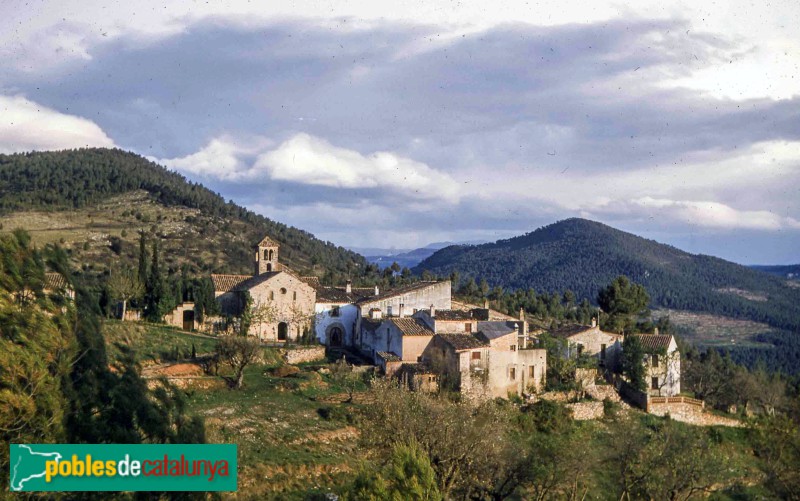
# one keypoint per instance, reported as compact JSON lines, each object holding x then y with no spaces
{"x":461,"y":342}
{"x":654,"y":342}
{"x":225,"y":283}
{"x":267,"y":242}
{"x":412,"y":326}
{"x":389,"y":356}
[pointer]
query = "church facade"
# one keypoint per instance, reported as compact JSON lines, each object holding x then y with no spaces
{"x":282,"y":302}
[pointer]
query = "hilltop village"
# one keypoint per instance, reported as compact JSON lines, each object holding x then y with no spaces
{"x":416,"y":332}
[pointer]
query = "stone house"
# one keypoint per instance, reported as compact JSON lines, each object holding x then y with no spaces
{"x":486,"y":364}
{"x":403,"y":337}
{"x":663,"y":362}
{"x":590,"y":341}
{"x":283,"y":303}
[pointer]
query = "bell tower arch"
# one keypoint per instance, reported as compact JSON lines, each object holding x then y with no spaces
{"x":267,"y":256}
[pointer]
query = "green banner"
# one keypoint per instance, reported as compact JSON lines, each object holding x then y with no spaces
{"x":122,"y":467}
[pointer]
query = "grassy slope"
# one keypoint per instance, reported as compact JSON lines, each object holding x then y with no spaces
{"x":205,"y":243}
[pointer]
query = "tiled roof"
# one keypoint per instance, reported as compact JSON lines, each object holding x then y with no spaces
{"x":396,"y":292}
{"x":461,"y":342}
{"x":494,"y":330}
{"x":654,"y":342}
{"x":412,"y":369}
{"x":412,"y":326}
{"x":54,"y":281}
{"x":312,"y":281}
{"x":225,"y":283}
{"x":267,"y":242}
{"x":473,"y":314}
{"x":389,"y":356}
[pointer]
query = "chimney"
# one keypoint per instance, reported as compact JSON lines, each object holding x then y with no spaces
{"x":485,"y":304}
{"x":375,"y":313}
{"x":521,"y":313}
{"x":433,"y":311}
{"x":348,"y":288}
{"x":376,"y":290}
{"x":594,"y":322}
{"x":656,"y":331}
{"x":400,"y":312}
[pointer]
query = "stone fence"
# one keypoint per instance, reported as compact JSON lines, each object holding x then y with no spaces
{"x":306,"y":354}
{"x":655,"y":402}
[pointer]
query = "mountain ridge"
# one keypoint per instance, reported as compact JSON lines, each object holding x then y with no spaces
{"x":583,"y":256}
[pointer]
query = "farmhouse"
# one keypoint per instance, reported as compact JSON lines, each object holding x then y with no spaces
{"x":663,"y":362}
{"x":590,"y":341}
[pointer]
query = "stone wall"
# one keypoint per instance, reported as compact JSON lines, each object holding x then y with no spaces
{"x":583,"y":411}
{"x":300,"y":355}
{"x":690,"y":412}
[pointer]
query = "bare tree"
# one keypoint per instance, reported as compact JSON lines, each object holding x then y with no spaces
{"x":238,"y":352}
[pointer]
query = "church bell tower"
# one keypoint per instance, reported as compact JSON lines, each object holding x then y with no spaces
{"x":267,"y":256}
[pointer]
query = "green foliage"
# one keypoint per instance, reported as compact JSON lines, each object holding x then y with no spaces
{"x":632,"y":362}
{"x":78,"y":178}
{"x":623,"y":302}
{"x":585,"y":256}
{"x":407,"y":476}
{"x":55,"y":381}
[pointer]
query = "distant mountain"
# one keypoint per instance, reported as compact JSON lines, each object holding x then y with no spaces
{"x":585,"y":255}
{"x":94,"y":201}
{"x":411,"y":258}
{"x":790,"y":271}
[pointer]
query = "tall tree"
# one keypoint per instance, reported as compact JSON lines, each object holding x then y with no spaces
{"x":124,"y":285}
{"x":624,"y":302}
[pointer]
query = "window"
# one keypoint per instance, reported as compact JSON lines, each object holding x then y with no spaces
{"x":468,"y":327}
{"x":654,"y":383}
{"x":271,"y":295}
{"x":283,"y":290}
{"x":476,"y":355}
{"x":335,"y":311}
{"x":266,"y":254}
{"x":580,"y":349}
{"x":513,"y":347}
{"x":431,"y":379}
{"x":532,"y":372}
{"x":294,"y":296}
{"x":602,"y":352}
{"x":654,"y":359}
{"x":512,"y":373}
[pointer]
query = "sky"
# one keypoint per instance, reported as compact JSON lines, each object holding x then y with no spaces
{"x":396,"y":124}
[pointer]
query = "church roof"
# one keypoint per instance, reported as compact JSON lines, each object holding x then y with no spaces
{"x":267,"y":242}
{"x":312,"y":281}
{"x":225,"y":283}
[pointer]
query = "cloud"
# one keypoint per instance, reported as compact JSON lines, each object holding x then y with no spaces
{"x":704,"y":214}
{"x":306,"y":159}
{"x":26,"y":125}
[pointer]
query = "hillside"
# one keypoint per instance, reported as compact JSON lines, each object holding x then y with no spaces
{"x":94,"y":202}
{"x":584,"y":256}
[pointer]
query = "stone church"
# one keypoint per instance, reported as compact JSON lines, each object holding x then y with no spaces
{"x":282,"y":301}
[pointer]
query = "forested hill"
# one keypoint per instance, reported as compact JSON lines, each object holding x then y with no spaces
{"x":209,"y":229}
{"x":585,"y":255}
